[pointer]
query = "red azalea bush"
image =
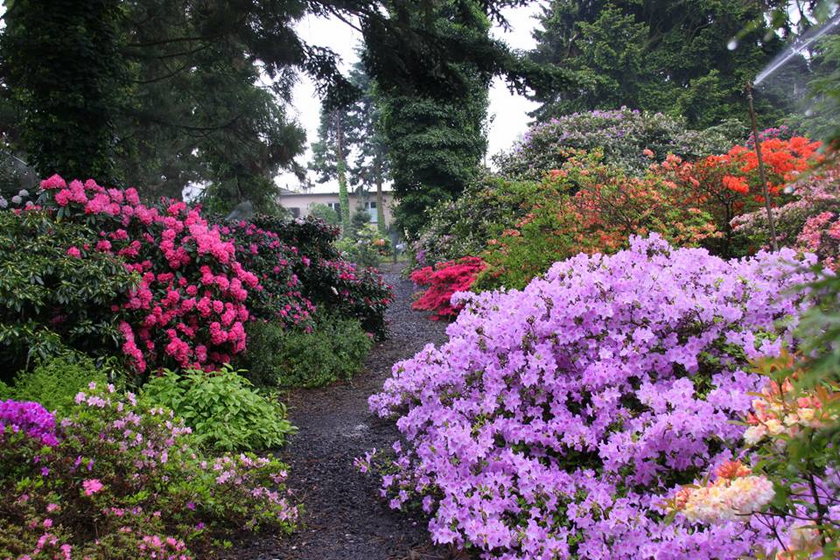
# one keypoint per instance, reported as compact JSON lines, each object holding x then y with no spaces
{"x":189,"y":307}
{"x":588,"y":206}
{"x":728,"y":185}
{"x":443,"y":280}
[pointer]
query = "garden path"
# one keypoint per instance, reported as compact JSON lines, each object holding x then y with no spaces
{"x":345,"y":519}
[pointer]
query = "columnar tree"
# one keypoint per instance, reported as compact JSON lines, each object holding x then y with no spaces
{"x":64,"y":69}
{"x":432,"y":117}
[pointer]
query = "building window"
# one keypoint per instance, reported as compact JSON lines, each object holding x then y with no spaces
{"x":370,"y":206}
{"x":295,"y":212}
{"x":335,"y":206}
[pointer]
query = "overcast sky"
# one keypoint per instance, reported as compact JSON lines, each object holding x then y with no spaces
{"x":507,"y":111}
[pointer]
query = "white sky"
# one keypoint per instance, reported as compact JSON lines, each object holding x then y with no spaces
{"x":508,"y":118}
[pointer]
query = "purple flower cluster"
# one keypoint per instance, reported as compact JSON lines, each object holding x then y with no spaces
{"x":556,"y":420}
{"x":28,"y":417}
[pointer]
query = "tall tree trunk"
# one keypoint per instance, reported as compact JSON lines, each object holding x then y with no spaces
{"x":380,"y":203}
{"x":341,"y":165}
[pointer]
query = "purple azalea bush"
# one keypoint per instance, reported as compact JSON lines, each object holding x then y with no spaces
{"x":557,"y":420}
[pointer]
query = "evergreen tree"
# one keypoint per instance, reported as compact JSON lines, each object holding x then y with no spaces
{"x":330,"y":157}
{"x":690,"y":58}
{"x":64,"y":71}
{"x":369,"y":166}
{"x":432,"y":118}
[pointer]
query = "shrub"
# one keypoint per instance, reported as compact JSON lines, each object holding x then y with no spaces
{"x":622,"y":135}
{"x":461,"y":228}
{"x":278,"y":297}
{"x":334,"y":350}
{"x":556,"y":419}
{"x":443,"y":280}
{"x":324,"y":213}
{"x":728,"y":185}
{"x":118,"y":481}
{"x":589,"y":206}
{"x":221,"y":408}
{"x":364,"y":247}
{"x":328,"y":281}
{"x":808,"y":222}
{"x":787,"y":479}
{"x":55,"y":382}
{"x":313,"y":237}
{"x":54,"y":293}
{"x":188,"y":309}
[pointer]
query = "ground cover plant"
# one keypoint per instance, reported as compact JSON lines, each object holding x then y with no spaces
{"x":558,"y":418}
{"x":222,"y":409}
{"x":117,"y":480}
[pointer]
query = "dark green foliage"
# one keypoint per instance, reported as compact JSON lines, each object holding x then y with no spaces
{"x":313,"y":237}
{"x":55,"y":382}
{"x":334,"y":351}
{"x":329,"y":282}
{"x":435,"y":147}
{"x":50,"y":300}
{"x":65,"y":72}
{"x":657,"y":55}
{"x":433,"y":128}
{"x":222,"y":408}
{"x":198,"y":112}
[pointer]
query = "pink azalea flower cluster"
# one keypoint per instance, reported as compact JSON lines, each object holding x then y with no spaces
{"x":28,"y":417}
{"x":821,"y":235}
{"x":188,"y":308}
{"x":135,"y":474}
{"x":556,"y":419}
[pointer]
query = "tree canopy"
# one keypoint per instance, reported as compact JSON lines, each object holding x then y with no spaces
{"x":689,"y":59}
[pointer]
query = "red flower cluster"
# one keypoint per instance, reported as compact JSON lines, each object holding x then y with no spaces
{"x":444,"y":280}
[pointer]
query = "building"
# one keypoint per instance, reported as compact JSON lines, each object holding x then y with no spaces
{"x":300,"y":203}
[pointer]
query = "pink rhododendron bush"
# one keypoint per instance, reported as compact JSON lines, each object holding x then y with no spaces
{"x":558,"y":420}
{"x":189,"y":306}
{"x":117,"y":479}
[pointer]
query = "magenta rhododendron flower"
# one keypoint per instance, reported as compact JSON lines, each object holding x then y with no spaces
{"x":189,"y":277}
{"x":30,"y":418}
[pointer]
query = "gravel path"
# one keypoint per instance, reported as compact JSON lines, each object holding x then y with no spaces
{"x":345,"y":519}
